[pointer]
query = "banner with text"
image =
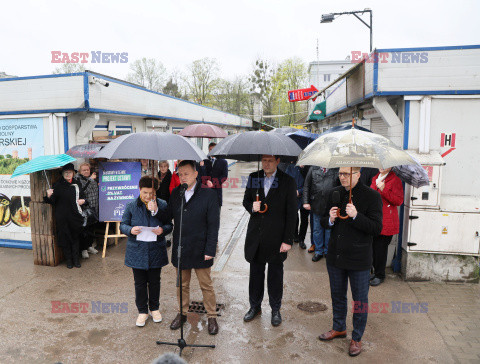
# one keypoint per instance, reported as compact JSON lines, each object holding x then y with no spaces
{"x":118,"y":186}
{"x":20,"y":141}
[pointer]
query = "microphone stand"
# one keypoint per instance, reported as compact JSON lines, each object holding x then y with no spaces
{"x":181,"y":343}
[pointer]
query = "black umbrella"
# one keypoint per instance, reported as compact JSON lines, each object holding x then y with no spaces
{"x":252,"y":145}
{"x":151,"y":145}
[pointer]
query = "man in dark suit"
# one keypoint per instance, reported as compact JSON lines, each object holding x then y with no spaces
{"x":216,"y":171}
{"x":270,"y":233}
{"x":201,"y":221}
{"x":349,"y":256}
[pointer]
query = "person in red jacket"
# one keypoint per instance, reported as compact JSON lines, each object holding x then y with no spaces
{"x":175,"y":181}
{"x":390,"y":188}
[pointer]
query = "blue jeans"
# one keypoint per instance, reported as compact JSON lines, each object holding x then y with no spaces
{"x":320,"y":235}
{"x":359,"y":285}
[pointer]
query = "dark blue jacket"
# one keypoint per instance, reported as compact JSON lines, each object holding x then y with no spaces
{"x":145,"y":255}
{"x":295,"y":172}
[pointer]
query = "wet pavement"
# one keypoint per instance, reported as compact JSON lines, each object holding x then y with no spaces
{"x":448,"y":332}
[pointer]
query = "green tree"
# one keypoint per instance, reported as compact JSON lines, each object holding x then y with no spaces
{"x":202,"y":79}
{"x":291,"y":75}
{"x":148,"y":73}
{"x":232,"y":96}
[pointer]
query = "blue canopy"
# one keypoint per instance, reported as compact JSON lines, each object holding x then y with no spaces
{"x":303,"y":138}
{"x":41,"y":163}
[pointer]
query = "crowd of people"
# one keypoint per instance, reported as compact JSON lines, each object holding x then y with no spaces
{"x":281,"y":198}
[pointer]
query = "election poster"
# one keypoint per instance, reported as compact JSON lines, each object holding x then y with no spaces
{"x":118,"y":186}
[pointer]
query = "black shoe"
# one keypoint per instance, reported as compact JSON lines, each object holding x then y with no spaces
{"x":276,"y":318}
{"x":69,"y":264}
{"x":178,"y":321}
{"x":169,"y":243}
{"x":302,"y":244}
{"x":376,"y":281}
{"x":317,"y":257}
{"x":372,"y":276}
{"x":251,"y":314}
{"x":77,"y":265}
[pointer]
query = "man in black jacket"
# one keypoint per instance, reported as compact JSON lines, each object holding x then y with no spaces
{"x":216,"y":172}
{"x":317,"y":184}
{"x":201,"y":221}
{"x":270,"y":233}
{"x":349,"y":255}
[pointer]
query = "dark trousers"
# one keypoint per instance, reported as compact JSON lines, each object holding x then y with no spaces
{"x":147,"y":289}
{"x":68,"y":236}
{"x":380,"y":252}
{"x":256,"y":285}
{"x":359,"y":284}
{"x":87,"y":236}
{"x":303,"y":221}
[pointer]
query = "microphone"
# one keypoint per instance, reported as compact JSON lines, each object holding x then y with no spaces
{"x":183,"y":188}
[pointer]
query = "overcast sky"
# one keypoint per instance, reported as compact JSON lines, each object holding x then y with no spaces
{"x":234,"y":32}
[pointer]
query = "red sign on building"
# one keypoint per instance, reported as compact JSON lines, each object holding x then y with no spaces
{"x":302,"y":94}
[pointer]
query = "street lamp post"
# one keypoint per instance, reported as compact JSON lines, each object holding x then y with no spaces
{"x":328,"y":18}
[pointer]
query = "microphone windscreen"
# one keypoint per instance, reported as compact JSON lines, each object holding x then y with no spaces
{"x":184,"y":186}
{"x":336,"y":197}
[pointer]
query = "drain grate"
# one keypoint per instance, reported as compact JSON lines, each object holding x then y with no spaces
{"x":198,"y":307}
{"x":311,"y":306}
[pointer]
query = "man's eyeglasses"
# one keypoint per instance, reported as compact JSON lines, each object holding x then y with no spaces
{"x":346,"y":174}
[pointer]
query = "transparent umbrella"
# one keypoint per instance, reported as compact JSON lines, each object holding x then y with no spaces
{"x":354,"y":148}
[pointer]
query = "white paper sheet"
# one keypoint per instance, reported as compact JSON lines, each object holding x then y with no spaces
{"x":146,"y":234}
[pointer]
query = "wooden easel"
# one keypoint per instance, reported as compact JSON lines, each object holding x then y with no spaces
{"x":116,"y":235}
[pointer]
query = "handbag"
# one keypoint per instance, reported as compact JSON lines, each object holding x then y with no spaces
{"x":90,"y":216}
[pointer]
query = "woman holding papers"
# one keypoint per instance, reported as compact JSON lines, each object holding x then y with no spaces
{"x":146,"y":250}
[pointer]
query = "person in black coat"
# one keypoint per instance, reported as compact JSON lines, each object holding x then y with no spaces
{"x":67,"y":196}
{"x":349,"y":256}
{"x":216,"y":173}
{"x":269,"y":234}
{"x":164,"y":177}
{"x":201,"y":222}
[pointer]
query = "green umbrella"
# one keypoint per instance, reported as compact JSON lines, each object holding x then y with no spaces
{"x":42,"y":163}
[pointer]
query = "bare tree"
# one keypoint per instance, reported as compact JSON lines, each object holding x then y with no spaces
{"x":148,"y":73}
{"x":201,"y":79}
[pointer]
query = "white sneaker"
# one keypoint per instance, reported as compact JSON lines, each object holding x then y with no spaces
{"x":92,"y":250}
{"x":85,"y":254}
{"x":141,"y":319}
{"x":157,"y":316}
